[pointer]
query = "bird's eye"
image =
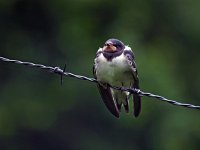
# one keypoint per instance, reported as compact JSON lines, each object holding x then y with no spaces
{"x":114,"y":45}
{"x":117,"y":45}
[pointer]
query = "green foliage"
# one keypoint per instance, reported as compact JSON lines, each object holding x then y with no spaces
{"x":36,"y":112}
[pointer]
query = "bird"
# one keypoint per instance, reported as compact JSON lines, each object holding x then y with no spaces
{"x":115,"y":65}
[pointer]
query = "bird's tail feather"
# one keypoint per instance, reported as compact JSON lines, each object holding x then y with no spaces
{"x":137,"y":105}
{"x":136,"y":101}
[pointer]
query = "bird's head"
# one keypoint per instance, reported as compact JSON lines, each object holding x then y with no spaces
{"x":113,"y":45}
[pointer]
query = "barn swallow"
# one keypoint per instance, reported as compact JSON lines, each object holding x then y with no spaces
{"x":114,"y":65}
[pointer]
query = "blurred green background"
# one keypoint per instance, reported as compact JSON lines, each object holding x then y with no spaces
{"x":37,"y":113}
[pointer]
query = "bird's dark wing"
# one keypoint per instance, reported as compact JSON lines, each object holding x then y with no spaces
{"x":136,"y":98}
{"x":107,"y":97}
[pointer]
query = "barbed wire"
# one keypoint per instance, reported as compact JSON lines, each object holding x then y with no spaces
{"x":59,"y":71}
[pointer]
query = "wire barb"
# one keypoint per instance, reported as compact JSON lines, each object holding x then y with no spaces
{"x":62,"y":73}
{"x":61,"y":76}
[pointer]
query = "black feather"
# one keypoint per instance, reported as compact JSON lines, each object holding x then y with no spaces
{"x":136,"y":98}
{"x":108,"y":100}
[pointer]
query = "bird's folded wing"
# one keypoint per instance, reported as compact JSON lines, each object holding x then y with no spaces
{"x":107,"y":98}
{"x":136,"y":98}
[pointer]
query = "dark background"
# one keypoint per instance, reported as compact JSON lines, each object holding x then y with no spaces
{"x":37,"y":113}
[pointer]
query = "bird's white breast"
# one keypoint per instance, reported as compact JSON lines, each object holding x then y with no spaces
{"x":113,"y":72}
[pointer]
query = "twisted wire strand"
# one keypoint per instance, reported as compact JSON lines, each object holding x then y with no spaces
{"x":59,"y":71}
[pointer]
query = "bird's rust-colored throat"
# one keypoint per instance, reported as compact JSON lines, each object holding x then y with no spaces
{"x":109,"y":48}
